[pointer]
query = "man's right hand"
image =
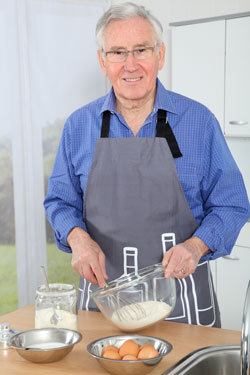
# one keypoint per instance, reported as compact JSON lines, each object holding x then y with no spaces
{"x":87,"y":257}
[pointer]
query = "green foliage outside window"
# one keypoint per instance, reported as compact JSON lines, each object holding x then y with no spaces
{"x":59,"y":263}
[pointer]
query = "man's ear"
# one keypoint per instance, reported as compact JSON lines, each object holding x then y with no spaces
{"x":162,"y":51}
{"x":101,"y":62}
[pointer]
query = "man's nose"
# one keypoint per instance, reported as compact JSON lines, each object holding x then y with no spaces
{"x":130,"y":63}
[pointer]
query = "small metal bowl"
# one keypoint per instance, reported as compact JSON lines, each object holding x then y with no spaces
{"x":118,"y":367}
{"x":44,"y":345}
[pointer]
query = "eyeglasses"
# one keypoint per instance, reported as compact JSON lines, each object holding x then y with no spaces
{"x":121,"y":55}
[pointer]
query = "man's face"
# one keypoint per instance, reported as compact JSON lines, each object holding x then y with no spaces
{"x":131,"y":79}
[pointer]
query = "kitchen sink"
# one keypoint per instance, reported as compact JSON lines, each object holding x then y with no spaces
{"x":212,"y":360}
{"x":219,"y":359}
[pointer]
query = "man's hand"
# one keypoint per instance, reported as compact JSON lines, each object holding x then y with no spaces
{"x":87,"y":257}
{"x":181,"y":260}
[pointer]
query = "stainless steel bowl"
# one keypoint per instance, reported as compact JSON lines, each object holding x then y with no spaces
{"x":118,"y":367}
{"x":44,"y":345}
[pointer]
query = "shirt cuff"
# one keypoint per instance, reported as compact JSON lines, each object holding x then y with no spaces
{"x":61,"y":241}
{"x":208,"y":237}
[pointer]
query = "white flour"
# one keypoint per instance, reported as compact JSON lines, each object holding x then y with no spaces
{"x":46,"y":345}
{"x":129,"y":318}
{"x":68,"y":320}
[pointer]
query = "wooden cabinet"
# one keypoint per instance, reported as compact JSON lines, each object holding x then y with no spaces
{"x":233,"y":274}
{"x":197,"y":64}
{"x":237,"y":77}
{"x":210,"y":63}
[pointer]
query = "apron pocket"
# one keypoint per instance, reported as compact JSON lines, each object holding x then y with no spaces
{"x":203,"y":295}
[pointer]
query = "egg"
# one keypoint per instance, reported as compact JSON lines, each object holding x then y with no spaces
{"x":110,"y":347}
{"x":129,"y":357}
{"x":146,"y":345}
{"x":148,"y":351}
{"x":129,"y":347}
{"x":111,"y":354}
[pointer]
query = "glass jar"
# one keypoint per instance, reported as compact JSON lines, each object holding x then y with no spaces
{"x":56,"y":307}
{"x":5,"y":334}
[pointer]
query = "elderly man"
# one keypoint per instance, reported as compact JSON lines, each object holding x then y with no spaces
{"x":144,"y":175}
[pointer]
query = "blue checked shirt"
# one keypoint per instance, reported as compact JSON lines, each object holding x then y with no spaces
{"x":209,"y":176}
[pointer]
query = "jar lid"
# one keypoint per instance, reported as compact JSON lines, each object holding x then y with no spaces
{"x":56,"y":290}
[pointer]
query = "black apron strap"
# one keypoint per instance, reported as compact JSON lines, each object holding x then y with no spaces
{"x":105,"y":124}
{"x":163,"y":130}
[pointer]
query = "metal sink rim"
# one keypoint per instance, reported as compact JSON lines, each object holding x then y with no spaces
{"x":196,"y":355}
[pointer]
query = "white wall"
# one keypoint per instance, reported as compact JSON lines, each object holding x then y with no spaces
{"x":168,"y":11}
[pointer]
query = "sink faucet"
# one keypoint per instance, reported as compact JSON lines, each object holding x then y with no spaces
{"x":245,"y":336}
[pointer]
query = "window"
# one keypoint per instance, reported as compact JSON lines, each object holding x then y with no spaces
{"x":49,"y":69}
{"x":8,"y":98}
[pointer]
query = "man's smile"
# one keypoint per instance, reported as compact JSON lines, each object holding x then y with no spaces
{"x":132,"y":79}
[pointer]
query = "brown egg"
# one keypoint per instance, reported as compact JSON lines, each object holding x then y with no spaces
{"x":111,"y":354}
{"x":110,"y":347}
{"x":129,"y":357}
{"x":146,"y":345}
{"x":148,"y":352}
{"x":129,"y":347}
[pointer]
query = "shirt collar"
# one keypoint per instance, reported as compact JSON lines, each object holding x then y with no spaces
{"x":162,"y":100}
{"x":109,"y":102}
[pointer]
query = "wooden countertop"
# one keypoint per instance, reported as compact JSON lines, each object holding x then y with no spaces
{"x":93,"y":325}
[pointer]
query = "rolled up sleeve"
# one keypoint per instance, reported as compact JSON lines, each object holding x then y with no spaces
{"x":225,"y":200}
{"x":64,"y":200}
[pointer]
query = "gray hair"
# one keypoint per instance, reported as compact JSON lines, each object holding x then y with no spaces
{"x":123,"y":12}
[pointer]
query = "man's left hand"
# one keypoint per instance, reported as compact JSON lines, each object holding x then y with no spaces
{"x":182,"y":259}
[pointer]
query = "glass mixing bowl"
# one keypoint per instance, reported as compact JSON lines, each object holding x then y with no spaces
{"x":137,"y":300}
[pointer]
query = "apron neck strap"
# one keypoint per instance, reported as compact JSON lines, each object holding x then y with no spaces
{"x":163,"y":130}
{"x":105,"y":124}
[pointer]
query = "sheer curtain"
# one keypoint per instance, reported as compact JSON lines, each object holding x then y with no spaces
{"x":52,"y":70}
{"x":9,"y":115}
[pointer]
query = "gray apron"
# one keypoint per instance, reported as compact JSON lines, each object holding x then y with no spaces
{"x":135,"y":209}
